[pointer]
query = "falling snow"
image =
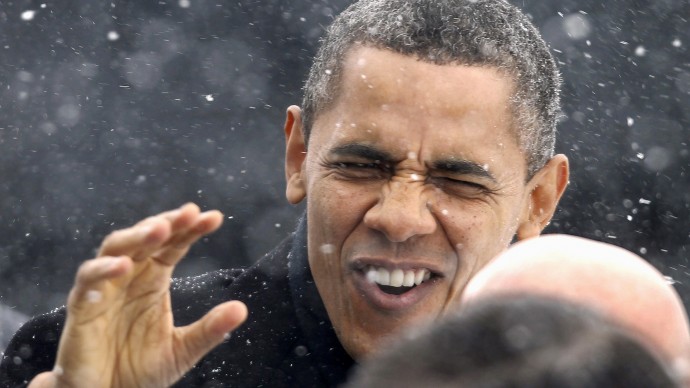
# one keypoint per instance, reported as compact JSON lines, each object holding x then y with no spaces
{"x":28,"y":15}
{"x":106,"y":120}
{"x":327,"y":249}
{"x":113,"y":36}
{"x":577,"y":26}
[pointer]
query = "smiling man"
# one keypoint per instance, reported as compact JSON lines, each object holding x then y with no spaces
{"x":414,"y":180}
{"x":424,"y":147}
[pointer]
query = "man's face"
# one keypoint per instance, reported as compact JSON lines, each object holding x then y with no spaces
{"x":413,"y":175}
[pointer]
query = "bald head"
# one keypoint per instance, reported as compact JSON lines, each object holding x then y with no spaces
{"x":617,"y":283}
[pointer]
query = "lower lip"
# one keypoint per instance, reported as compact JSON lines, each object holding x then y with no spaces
{"x":384,"y":301}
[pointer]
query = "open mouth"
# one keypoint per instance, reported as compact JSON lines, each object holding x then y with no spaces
{"x":393,"y":288}
{"x":397,"y":281}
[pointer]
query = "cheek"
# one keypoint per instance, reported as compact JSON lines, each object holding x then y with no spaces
{"x":476,"y":231}
{"x":463,"y":220}
{"x":334,"y":211}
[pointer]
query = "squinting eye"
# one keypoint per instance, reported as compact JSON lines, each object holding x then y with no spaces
{"x":359,"y":165}
{"x":460,"y":187}
{"x":356,"y":170}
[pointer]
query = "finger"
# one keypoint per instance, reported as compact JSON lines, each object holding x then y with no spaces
{"x":169,"y":215}
{"x":152,"y":233}
{"x":44,"y":380}
{"x":173,"y":251}
{"x":203,"y":335}
{"x":180,"y":218}
{"x":147,"y":235}
{"x":92,"y":279}
{"x":208,"y":222}
{"x":180,"y":221}
{"x":184,"y":217}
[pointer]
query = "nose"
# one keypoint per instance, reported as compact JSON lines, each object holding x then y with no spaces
{"x":401,"y":213}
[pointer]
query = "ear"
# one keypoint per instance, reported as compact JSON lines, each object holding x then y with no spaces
{"x":545,"y":190}
{"x":295,"y":154}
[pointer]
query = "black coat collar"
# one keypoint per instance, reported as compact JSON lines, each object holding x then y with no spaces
{"x":330,"y":357}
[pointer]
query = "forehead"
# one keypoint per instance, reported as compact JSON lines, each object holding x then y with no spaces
{"x":380,"y":73}
{"x":386,"y":97}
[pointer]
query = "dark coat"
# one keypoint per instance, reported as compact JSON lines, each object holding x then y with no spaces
{"x":287,"y":341}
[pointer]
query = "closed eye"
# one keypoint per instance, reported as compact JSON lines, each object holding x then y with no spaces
{"x":346,"y":165}
{"x":362,"y":170}
{"x":462,"y":188}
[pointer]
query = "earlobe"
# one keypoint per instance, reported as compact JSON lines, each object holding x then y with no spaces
{"x":546,"y":189}
{"x":295,"y":154}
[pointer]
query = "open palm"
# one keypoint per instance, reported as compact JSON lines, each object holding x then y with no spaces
{"x":119,"y":330}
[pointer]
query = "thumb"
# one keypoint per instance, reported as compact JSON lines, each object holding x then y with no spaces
{"x":44,"y":380}
{"x":203,"y":335}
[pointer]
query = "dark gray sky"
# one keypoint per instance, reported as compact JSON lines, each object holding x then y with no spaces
{"x":110,"y":112}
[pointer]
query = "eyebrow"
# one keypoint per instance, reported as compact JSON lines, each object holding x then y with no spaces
{"x":363,"y":151}
{"x":463,"y":167}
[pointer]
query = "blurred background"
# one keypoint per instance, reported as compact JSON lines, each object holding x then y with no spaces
{"x":113,"y":111}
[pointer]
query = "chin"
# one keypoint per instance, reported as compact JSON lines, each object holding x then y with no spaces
{"x":364,"y":344}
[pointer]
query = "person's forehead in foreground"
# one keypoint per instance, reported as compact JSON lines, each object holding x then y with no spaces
{"x":618,"y":283}
{"x":422,"y":163}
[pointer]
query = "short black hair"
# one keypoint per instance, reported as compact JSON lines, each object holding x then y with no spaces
{"x":467,"y":32}
{"x":517,"y":341}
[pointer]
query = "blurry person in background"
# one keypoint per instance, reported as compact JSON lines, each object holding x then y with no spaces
{"x":614,"y":282}
{"x":424,"y":146}
{"x":518,"y":341}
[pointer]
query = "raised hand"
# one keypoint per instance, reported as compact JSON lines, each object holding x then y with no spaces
{"x":119,"y":330}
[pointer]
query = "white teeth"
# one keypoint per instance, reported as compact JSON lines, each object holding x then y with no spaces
{"x":372,"y":275}
{"x":397,"y":277}
{"x":409,"y":279}
{"x":419,"y":276}
{"x":384,"y":277}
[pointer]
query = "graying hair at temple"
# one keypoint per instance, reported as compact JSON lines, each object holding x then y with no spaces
{"x":467,"y":32}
